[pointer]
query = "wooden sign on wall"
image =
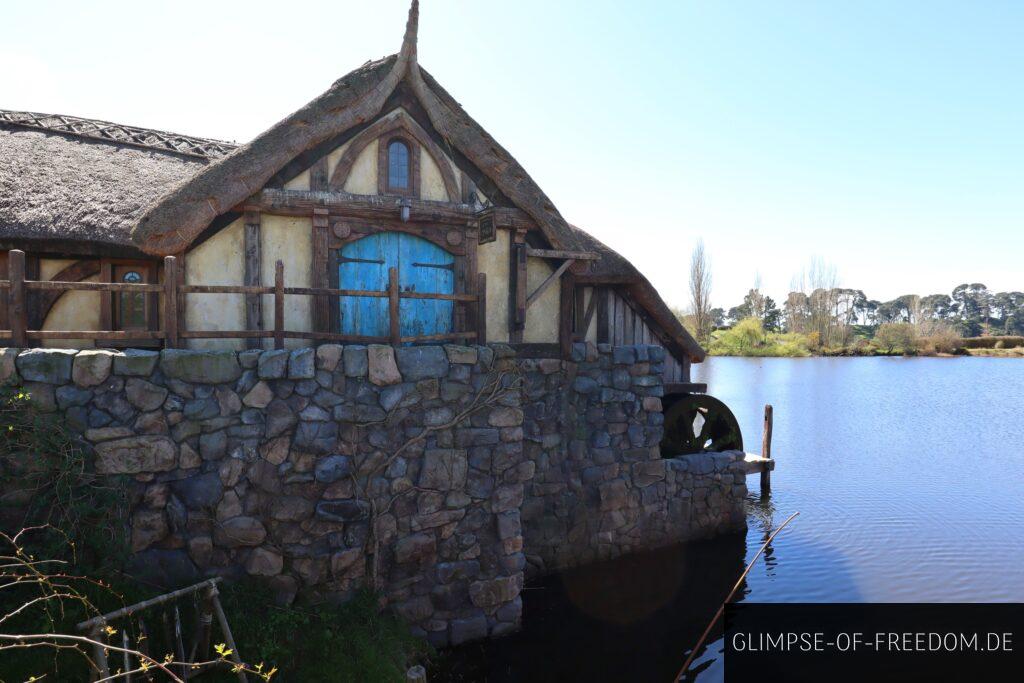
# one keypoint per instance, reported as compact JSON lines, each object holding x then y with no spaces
{"x":487,"y":230}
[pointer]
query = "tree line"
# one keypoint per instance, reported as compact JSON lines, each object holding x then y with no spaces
{"x":825,"y":315}
{"x":971,"y":309}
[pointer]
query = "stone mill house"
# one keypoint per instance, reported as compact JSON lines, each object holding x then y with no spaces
{"x":377,"y":354}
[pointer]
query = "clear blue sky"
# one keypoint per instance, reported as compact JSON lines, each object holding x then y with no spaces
{"x":884,"y":137}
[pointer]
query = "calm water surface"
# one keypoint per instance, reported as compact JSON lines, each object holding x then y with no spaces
{"x":909,"y":477}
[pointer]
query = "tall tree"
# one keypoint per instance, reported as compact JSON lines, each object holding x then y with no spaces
{"x":700,"y":292}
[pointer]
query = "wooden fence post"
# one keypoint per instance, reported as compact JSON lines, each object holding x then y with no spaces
{"x":766,"y":451}
{"x":279,"y":305}
{"x":170,"y":302}
{"x":481,"y":308}
{"x":394,"y":322}
{"x":16,"y":312}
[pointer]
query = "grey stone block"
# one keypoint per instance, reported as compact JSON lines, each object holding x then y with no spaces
{"x":273,"y":364}
{"x":200,"y":491}
{"x":49,"y":366}
{"x":332,"y":468}
{"x":356,"y":361}
{"x":302,"y":363}
{"x":422,"y":362}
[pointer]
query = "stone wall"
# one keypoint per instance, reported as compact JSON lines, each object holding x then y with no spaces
{"x":319,"y":470}
{"x":420,"y":471}
{"x":600,"y":487}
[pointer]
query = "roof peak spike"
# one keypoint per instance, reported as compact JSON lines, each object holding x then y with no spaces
{"x":408,"y":53}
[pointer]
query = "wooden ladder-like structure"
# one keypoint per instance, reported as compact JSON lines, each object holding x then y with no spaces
{"x":209,"y":607}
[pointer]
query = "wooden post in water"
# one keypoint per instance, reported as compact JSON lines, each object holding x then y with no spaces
{"x":766,"y":451}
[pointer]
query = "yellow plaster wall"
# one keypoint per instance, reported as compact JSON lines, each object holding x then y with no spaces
{"x":542,"y":315}
{"x":48,"y":267}
{"x":334,"y":157}
{"x":72,"y":311}
{"x":363,"y":178}
{"x":290,"y":240}
{"x":493,"y":260}
{"x":431,"y":182}
{"x":299,"y":182}
{"x":219,"y":260}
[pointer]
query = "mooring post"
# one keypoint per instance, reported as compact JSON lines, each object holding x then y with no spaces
{"x":766,"y":451}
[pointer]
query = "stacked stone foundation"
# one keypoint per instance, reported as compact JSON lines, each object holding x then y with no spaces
{"x":432,"y":474}
{"x":601,"y":488}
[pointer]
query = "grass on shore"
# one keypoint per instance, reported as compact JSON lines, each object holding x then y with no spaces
{"x":748,"y":338}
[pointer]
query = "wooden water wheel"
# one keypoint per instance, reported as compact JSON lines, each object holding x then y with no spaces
{"x":696,"y":423}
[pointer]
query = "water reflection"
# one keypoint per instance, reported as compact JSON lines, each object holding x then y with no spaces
{"x":899,"y":502}
{"x":629,"y":619}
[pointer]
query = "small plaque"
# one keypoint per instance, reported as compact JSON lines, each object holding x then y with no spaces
{"x":487,"y":231}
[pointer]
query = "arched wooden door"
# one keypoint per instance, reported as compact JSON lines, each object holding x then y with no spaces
{"x":422,"y":267}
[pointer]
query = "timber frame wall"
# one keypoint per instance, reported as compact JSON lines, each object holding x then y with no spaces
{"x":18,"y":288}
{"x":583,"y":305}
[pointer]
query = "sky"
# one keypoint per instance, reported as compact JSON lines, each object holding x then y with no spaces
{"x":883,"y":138}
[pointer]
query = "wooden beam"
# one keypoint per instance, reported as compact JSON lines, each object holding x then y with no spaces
{"x":517,"y":287}
{"x":766,"y":450}
{"x":562,"y":253}
{"x":279,"y":305}
{"x":106,"y":301}
{"x":548,"y":282}
{"x":481,"y":308}
{"x":394,"y":322}
{"x":171,"y":308}
{"x":318,"y":175}
{"x":320,"y":277}
{"x":32,"y":303}
{"x":16,"y":297}
{"x":4,"y":325}
{"x":567,"y":293}
{"x":589,"y":315}
{"x":367,"y":207}
{"x":602,"y":314}
{"x":253,"y":274}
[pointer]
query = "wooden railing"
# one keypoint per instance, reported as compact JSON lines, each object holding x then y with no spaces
{"x":173,"y":293}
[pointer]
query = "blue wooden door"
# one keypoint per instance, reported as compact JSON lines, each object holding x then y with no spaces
{"x":422,"y":267}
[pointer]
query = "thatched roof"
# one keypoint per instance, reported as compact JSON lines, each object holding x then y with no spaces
{"x":613,"y":267}
{"x":75,"y":185}
{"x":91,"y":182}
{"x":180,"y":216}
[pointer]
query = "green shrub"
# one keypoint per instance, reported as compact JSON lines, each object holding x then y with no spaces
{"x":896,"y":338}
{"x":350,"y":642}
{"x":46,"y":479}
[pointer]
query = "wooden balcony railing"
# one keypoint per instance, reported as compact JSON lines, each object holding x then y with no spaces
{"x":173,"y":293}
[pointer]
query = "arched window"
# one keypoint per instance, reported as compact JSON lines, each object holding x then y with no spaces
{"x":398,"y":166}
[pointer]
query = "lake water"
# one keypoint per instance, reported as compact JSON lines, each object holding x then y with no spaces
{"x":909,"y":477}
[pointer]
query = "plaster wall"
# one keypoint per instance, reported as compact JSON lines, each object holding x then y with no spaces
{"x":219,"y":260}
{"x":542,"y":316}
{"x":72,"y":311}
{"x":288,"y":239}
{"x":493,"y":260}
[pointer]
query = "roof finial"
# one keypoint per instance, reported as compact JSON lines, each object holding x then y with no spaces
{"x":411,"y":28}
